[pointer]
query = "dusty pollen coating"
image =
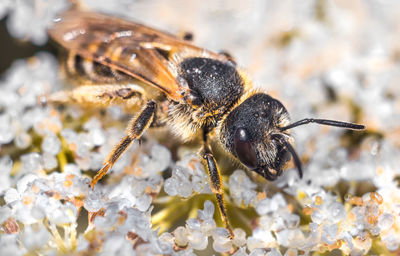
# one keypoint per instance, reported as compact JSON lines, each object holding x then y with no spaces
{"x":169,"y":82}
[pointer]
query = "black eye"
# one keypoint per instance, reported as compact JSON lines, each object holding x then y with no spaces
{"x":244,"y":148}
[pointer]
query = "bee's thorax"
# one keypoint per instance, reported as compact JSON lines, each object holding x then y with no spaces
{"x":217,"y":87}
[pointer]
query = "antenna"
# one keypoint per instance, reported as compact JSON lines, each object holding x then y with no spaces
{"x":341,"y":124}
{"x":292,"y":151}
{"x":296,"y":158}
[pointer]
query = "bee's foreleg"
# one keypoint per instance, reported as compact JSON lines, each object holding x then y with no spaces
{"x":135,"y":129}
{"x":216,"y":184}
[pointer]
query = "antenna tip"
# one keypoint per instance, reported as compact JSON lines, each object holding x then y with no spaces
{"x":359,"y":127}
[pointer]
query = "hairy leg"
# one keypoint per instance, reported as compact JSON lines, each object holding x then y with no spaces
{"x":129,"y":95}
{"x":215,"y":182}
{"x":136,"y":127}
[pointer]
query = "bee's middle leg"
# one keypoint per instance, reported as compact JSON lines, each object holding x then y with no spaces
{"x":135,"y":129}
{"x":216,"y":183}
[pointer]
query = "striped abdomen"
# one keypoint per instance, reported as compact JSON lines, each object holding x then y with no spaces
{"x":92,"y":72}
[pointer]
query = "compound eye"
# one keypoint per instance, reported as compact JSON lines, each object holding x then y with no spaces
{"x":244,"y":148}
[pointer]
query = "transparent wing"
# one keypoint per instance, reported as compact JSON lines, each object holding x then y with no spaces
{"x":128,"y":47}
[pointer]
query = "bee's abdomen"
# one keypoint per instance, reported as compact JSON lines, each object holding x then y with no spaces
{"x":88,"y":70}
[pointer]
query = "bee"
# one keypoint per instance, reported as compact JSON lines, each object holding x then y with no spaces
{"x":192,"y":91}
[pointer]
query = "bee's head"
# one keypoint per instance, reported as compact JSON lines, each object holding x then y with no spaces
{"x":251,"y":132}
{"x":255,"y":133}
